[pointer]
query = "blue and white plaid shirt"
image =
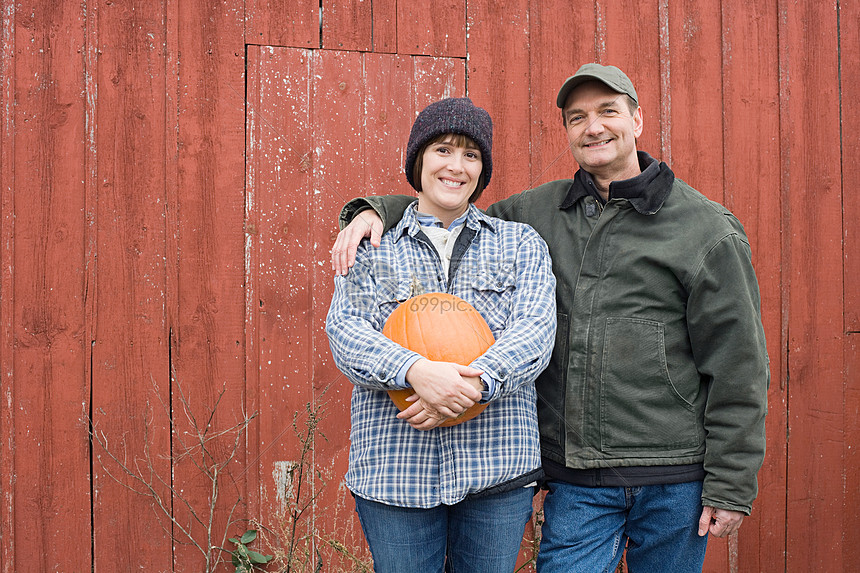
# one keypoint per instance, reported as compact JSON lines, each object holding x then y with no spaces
{"x":506,"y":274}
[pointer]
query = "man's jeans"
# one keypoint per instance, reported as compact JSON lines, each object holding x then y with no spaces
{"x":586,"y":528}
{"x":479,"y":535}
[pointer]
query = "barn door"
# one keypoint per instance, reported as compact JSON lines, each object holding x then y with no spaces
{"x":323,"y":126}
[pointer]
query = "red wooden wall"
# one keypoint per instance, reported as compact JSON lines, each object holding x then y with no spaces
{"x":170,"y":173}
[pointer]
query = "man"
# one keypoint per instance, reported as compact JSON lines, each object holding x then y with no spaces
{"x":652,"y":408}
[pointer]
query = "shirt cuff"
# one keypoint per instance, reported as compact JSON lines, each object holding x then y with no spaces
{"x":400,"y":378}
{"x":490,"y":383}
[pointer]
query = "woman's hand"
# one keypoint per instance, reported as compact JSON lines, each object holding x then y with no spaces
{"x":422,"y":417}
{"x":365,"y":224}
{"x":444,"y":387}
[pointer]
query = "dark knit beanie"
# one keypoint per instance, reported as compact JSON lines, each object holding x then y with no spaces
{"x":451,"y":115}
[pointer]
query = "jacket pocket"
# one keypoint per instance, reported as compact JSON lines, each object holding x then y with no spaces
{"x":641,"y":410}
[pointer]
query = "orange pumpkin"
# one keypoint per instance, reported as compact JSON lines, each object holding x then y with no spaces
{"x":441,"y":327}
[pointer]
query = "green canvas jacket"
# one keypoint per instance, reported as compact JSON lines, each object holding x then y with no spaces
{"x":660,"y":354}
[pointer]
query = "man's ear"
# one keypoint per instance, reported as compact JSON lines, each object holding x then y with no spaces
{"x":637,"y":122}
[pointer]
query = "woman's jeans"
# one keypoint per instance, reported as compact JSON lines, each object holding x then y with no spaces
{"x":586,"y":528}
{"x":481,"y":535}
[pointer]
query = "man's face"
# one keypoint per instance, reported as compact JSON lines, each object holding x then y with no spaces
{"x":602,"y":131}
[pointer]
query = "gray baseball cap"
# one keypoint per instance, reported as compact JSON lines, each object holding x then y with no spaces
{"x":614,"y":78}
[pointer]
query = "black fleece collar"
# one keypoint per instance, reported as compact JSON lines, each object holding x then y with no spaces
{"x":646,"y":192}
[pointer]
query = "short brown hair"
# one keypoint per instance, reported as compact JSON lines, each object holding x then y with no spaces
{"x":457,"y":140}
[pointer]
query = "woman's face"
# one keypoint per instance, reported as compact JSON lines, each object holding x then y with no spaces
{"x":449,"y":176}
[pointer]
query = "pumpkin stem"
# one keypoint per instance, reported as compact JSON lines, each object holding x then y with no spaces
{"x":417,"y":288}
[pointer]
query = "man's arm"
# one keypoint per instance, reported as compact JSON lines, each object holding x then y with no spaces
{"x":727,"y":338}
{"x":365,"y":217}
{"x":366,"y":224}
{"x":370,"y":217}
{"x":390,"y":209}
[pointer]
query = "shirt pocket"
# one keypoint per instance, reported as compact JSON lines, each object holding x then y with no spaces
{"x":492,"y":292}
{"x":389,"y":295}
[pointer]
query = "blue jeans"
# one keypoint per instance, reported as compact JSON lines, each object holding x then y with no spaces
{"x":478,"y":535}
{"x":586,"y":528}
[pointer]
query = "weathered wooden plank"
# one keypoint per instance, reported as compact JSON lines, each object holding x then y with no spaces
{"x":849,"y":72}
{"x":279,"y":193}
{"x":283,"y":23}
{"x":384,"y":26}
{"x":7,"y":282}
{"x":562,"y":38}
{"x":43,"y":346}
{"x":339,"y":92}
{"x":347,"y":25}
{"x":849,"y":41}
{"x":751,"y":160}
{"x":432,"y":28}
{"x":695,"y":86}
{"x":130,"y":377}
{"x":628,"y":35}
{"x":207,"y":238}
{"x":434,"y":79}
{"x":388,"y":120}
{"x":812,"y":232}
{"x":851,"y":463}
{"x":502,"y":78}
{"x":499,"y":82}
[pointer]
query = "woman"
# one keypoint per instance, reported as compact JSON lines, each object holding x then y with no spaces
{"x":458,"y":497}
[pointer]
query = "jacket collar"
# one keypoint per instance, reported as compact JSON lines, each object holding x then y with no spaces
{"x":646,"y":192}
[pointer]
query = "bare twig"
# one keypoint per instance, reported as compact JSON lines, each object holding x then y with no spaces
{"x":140,"y":475}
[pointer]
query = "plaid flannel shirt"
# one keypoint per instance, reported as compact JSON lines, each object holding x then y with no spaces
{"x":506,"y":274}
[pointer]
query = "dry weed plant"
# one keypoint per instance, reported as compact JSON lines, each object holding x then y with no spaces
{"x":209,"y":450}
{"x":296,"y":534}
{"x":292,"y":530}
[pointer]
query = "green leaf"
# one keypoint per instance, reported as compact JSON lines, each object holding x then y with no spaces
{"x":233,"y":540}
{"x":249,"y":536}
{"x":258,"y":558}
{"x":236,"y":561}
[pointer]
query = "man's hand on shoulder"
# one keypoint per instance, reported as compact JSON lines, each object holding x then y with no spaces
{"x":365,"y":224}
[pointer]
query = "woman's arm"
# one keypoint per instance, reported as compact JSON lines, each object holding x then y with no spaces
{"x":371,"y":360}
